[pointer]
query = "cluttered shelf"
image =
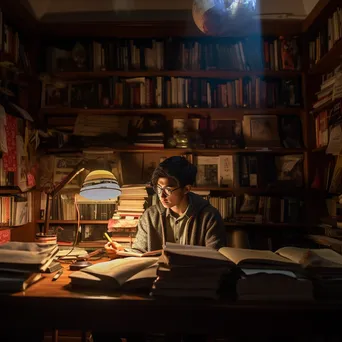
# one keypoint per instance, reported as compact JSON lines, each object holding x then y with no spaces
{"x":325,"y":106}
{"x":6,"y":226}
{"x":9,"y":191}
{"x":4,"y":190}
{"x":75,"y":221}
{"x":221,"y":74}
{"x":239,"y":112}
{"x":186,"y":150}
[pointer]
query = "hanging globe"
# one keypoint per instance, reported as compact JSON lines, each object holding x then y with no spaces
{"x":215,"y":17}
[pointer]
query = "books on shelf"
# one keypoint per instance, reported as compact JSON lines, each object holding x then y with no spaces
{"x":195,"y":54}
{"x":330,"y":89}
{"x":326,"y":38}
{"x":16,"y":210}
{"x":173,"y":92}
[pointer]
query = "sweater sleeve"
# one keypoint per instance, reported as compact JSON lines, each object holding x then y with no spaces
{"x":141,"y":239}
{"x":216,"y":233}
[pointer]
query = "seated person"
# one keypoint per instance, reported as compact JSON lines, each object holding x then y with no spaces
{"x":180,"y":216}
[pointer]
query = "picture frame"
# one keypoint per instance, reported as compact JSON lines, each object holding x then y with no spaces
{"x":261,"y":131}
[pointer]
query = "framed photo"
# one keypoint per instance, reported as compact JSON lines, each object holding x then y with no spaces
{"x":261,"y":131}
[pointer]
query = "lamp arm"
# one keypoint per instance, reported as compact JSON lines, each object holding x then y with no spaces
{"x":81,"y":166}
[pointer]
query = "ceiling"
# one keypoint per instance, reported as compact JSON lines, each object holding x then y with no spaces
{"x":97,"y":10}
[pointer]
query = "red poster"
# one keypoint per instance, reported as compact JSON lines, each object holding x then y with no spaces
{"x":10,"y":158}
{"x":5,"y":236}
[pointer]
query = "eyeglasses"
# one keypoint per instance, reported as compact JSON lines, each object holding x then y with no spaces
{"x":167,"y":191}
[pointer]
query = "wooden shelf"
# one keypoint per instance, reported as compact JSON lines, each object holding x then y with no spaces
{"x":328,"y":105}
{"x":322,"y":6}
{"x":5,"y":227}
{"x":268,"y":191}
{"x":220,"y":74}
{"x":239,"y":112}
{"x":178,"y":151}
{"x":329,"y":61}
{"x":178,"y":27}
{"x":319,"y":149}
{"x":74,"y":222}
{"x":9,"y":191}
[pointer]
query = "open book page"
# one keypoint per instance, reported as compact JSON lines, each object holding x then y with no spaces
{"x":142,"y":280}
{"x":128,"y":253}
{"x":116,"y":272}
{"x":80,"y":278}
{"x":255,"y":258}
{"x":312,"y":257}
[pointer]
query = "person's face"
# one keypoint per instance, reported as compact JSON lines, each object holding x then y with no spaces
{"x":169,"y":193}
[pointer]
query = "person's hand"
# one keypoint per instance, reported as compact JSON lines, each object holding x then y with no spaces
{"x":112,"y":249}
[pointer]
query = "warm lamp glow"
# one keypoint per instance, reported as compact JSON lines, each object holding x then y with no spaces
{"x":100,"y":185}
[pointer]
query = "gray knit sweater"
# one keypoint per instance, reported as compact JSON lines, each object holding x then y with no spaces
{"x":204,"y":228}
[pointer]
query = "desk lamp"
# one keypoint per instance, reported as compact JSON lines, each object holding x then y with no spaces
{"x":100,"y":184}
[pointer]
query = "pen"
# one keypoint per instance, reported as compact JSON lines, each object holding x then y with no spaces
{"x":108,"y":237}
{"x":57,"y":275}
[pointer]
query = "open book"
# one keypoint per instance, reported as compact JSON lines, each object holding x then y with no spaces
{"x":139,"y":272}
{"x":124,"y":274}
{"x":312,"y":258}
{"x":175,"y":254}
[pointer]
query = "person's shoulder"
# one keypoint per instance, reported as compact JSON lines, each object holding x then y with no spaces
{"x":210,"y":209}
{"x":152,"y":210}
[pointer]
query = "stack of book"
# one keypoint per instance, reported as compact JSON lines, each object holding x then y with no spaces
{"x":190,"y":271}
{"x":149,"y":129}
{"x":21,"y":264}
{"x":330,"y":89}
{"x":265,"y":275}
{"x":323,"y":266}
{"x":132,"y":200}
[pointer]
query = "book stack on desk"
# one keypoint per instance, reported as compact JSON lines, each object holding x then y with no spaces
{"x":21,"y":264}
{"x":190,"y":271}
{"x":322,"y":266}
{"x":268,"y":276}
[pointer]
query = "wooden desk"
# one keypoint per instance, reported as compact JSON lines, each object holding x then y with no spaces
{"x":54,"y":305}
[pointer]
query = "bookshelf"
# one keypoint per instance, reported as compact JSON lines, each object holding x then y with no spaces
{"x":93,"y":36}
{"x":74,"y":221}
{"x":219,"y":74}
{"x":18,"y":84}
{"x":64,"y":117}
{"x":321,"y":32}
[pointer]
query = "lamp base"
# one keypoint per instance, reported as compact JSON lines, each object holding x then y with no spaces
{"x":46,"y":238}
{"x":75,"y":266}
